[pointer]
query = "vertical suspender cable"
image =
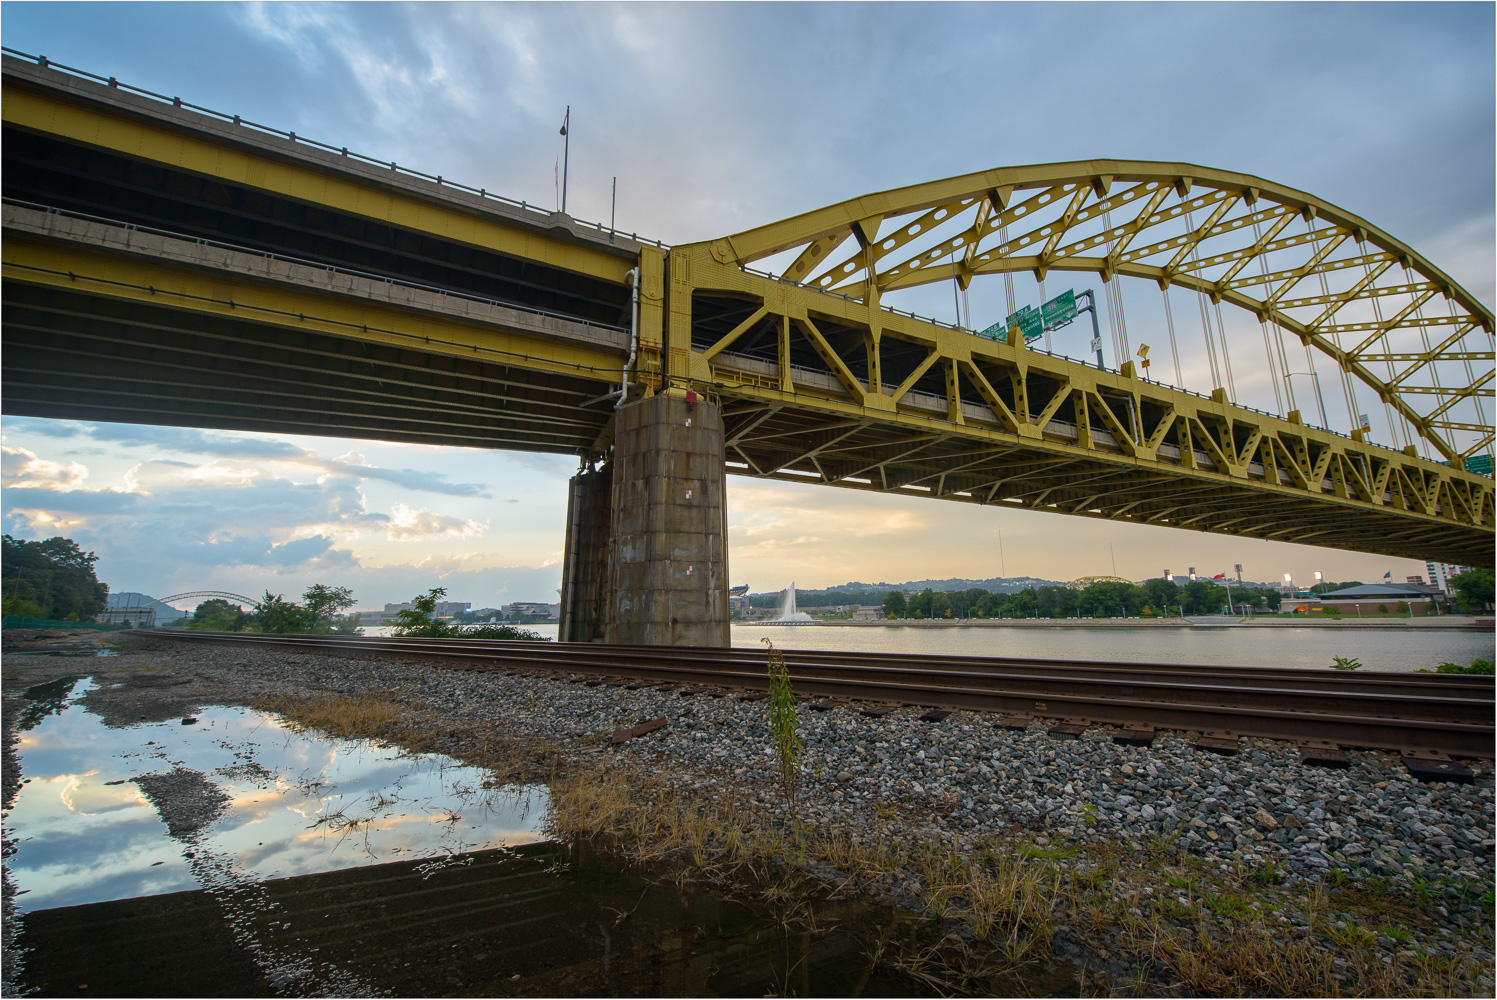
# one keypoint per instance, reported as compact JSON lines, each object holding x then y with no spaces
{"x":956,"y":294}
{"x":1481,"y":413}
{"x":1394,"y":426}
{"x":1115,"y":304}
{"x":1348,"y":387}
{"x":1273,"y":368}
{"x":1216,"y":378}
{"x":1315,"y":387}
{"x":1434,"y":370}
{"x":1169,"y":322}
{"x":1112,"y":323}
{"x":1221,"y":331}
{"x":1041,"y":282}
{"x":1008,"y":276}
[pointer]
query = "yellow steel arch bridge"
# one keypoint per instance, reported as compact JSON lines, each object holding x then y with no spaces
{"x":171,"y":264}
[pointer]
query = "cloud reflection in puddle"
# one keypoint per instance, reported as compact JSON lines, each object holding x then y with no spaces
{"x":296,"y":803}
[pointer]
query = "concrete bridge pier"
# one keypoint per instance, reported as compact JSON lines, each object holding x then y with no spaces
{"x":646,"y":549}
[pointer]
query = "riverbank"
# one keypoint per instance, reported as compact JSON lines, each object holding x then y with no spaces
{"x":1443,"y":622}
{"x":1160,"y":869}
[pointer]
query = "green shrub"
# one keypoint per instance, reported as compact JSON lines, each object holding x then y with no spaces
{"x":1346,"y":663}
{"x":1478,"y":666}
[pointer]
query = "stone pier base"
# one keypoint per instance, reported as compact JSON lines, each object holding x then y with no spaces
{"x":650,"y":566}
{"x":584,"y":571}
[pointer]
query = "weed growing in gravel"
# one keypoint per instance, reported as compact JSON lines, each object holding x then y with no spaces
{"x":784,"y":724}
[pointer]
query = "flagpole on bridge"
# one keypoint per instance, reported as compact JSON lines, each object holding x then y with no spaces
{"x":566,"y":151}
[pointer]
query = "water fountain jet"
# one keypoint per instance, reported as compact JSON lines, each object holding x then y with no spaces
{"x":788,"y":615}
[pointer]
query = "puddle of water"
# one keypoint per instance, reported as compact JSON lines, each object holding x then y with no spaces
{"x":236,"y":797}
{"x":540,"y":921}
{"x":234,"y":856}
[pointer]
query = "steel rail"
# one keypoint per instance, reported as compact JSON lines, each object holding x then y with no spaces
{"x":1276,"y":678}
{"x":1039,"y":683}
{"x":1293,"y":678}
{"x":1460,"y":725}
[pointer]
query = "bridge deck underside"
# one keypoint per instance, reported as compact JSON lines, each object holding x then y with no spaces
{"x":72,"y":355}
{"x":798,"y":444}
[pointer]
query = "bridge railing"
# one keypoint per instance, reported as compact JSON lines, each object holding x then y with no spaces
{"x":343,"y":151}
{"x":304,"y":262}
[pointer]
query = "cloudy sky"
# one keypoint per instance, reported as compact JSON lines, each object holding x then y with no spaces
{"x":716,"y":118}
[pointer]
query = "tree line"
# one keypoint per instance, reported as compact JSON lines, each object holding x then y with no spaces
{"x":52,"y":580}
{"x":1105,"y":599}
{"x":319,"y":614}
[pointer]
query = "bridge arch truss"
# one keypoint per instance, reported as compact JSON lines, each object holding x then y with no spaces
{"x":1309,"y":272}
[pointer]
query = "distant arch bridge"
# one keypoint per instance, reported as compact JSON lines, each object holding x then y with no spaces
{"x":222,"y":594}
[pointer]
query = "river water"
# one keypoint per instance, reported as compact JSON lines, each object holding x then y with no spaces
{"x":1414,"y":648}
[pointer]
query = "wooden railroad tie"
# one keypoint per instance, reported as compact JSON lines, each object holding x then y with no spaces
{"x":1069,"y":729}
{"x":1322,"y":753}
{"x":1017,"y":721}
{"x":1431,"y":765}
{"x":1220,"y":741}
{"x":1135,"y":736}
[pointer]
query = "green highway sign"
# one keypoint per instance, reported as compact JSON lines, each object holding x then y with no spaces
{"x":1479,"y":464}
{"x":1029,"y":321}
{"x":1060,"y":310}
{"x":995,"y":332}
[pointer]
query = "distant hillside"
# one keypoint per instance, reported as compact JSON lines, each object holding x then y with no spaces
{"x":857,"y":592}
{"x":993,"y":585}
{"x":853,"y":590}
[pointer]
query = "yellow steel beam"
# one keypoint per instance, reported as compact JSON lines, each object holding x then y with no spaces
{"x":63,"y":265}
{"x":204,"y":153}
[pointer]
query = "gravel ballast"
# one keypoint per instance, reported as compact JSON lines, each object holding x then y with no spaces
{"x":960,"y":781}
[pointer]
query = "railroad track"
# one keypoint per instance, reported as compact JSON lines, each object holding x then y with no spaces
{"x":1426,"y":716}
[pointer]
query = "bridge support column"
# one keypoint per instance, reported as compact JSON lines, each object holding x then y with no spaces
{"x":646,"y":550}
{"x":584,"y":570}
{"x":668,"y":559}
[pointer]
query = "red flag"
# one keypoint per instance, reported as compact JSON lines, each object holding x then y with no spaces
{"x":1219,"y":576}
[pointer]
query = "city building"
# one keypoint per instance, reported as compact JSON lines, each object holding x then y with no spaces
{"x":1440,"y":574}
{"x":444,"y":609}
{"x":533,"y":609}
{"x":866,"y":612}
{"x":1376,"y":598}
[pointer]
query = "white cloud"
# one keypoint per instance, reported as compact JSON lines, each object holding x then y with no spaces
{"x":408,"y":524}
{"x":20,"y":467}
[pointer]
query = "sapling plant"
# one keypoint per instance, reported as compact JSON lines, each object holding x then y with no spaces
{"x":783,"y":724}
